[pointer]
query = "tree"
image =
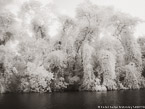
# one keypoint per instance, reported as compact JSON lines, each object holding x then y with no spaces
{"x":7,"y":20}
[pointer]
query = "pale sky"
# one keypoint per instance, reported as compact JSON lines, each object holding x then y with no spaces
{"x":133,"y":7}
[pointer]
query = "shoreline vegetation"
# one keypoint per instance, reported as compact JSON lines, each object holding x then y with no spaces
{"x":95,"y":51}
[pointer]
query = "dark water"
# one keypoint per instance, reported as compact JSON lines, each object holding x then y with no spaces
{"x":72,"y":100}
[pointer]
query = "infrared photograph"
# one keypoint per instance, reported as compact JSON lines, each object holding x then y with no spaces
{"x":72,"y":54}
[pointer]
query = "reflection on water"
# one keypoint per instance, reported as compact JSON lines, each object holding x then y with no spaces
{"x":72,"y":100}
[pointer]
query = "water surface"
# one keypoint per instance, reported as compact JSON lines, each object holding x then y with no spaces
{"x":72,"y":100}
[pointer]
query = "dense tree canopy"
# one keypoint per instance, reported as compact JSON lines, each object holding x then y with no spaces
{"x":95,"y":51}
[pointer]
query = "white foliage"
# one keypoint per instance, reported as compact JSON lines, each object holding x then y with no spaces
{"x":74,"y":79}
{"x":55,"y":59}
{"x":88,"y":76}
{"x":132,"y":50}
{"x":88,"y":60}
{"x":131,"y":79}
{"x":39,"y":78}
{"x":107,"y":62}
